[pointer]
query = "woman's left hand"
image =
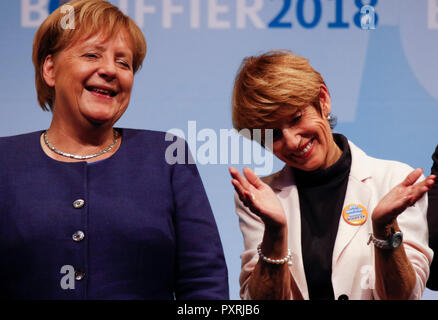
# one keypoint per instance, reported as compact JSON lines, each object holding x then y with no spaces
{"x":402,"y":196}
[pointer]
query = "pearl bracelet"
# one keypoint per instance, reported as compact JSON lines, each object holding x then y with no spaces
{"x":287,"y":259}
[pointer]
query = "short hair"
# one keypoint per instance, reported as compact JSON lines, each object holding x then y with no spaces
{"x":271,"y":86}
{"x":91,"y":17}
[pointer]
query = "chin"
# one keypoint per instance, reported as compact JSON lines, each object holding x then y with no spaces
{"x":99,"y":116}
{"x":98,"y":119}
{"x":307,"y":166}
{"x":101,"y":122}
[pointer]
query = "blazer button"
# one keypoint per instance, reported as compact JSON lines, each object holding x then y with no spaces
{"x":79,"y":275}
{"x":77,"y":204}
{"x":78,"y":236}
{"x":343,"y":297}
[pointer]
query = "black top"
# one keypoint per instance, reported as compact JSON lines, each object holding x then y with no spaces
{"x":321,"y":194}
{"x":432,"y":219}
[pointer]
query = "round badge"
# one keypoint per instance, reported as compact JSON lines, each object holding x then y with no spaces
{"x":355,"y":214}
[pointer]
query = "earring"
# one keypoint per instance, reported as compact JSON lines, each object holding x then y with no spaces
{"x":329,"y":117}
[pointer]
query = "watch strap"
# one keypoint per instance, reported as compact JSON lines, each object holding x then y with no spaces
{"x":393,"y":242}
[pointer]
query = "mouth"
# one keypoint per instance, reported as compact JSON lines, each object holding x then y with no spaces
{"x":100,"y":91}
{"x":306,"y":149}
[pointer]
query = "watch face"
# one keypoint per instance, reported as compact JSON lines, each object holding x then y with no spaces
{"x":397,"y":239}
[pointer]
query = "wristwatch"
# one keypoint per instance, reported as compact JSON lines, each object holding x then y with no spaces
{"x":391,"y":243}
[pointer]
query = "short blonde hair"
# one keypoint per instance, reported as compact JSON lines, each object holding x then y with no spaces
{"x":271,"y":86}
{"x":91,"y":17}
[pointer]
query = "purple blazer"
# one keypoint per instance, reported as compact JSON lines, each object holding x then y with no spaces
{"x":129,"y":227}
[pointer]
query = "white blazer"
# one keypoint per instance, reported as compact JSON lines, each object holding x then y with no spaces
{"x":353,"y":260}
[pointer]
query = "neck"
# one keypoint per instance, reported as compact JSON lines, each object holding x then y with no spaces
{"x":333,"y":155}
{"x":79,"y":140}
{"x":78,"y":135}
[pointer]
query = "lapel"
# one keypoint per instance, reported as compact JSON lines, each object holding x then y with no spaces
{"x":357,"y":192}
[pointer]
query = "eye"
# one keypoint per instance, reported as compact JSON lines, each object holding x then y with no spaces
{"x":124,"y":64}
{"x":90,"y":55}
{"x":296,"y":118}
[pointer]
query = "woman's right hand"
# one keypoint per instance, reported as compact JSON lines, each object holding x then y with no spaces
{"x":258,"y":197}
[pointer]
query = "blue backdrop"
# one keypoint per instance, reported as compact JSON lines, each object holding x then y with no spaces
{"x":382,"y":81}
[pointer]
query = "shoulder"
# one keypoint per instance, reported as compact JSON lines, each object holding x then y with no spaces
{"x":141,"y":134}
{"x":156,"y":146}
{"x":150,"y":136}
{"x":379,"y":163}
{"x":381,"y":171}
{"x":22,"y":143}
{"x":280,"y":178}
{"x":270,"y":179}
{"x":18,"y":139}
{"x":149,"y":140}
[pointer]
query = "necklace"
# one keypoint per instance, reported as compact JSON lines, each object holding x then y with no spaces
{"x":73,"y":156}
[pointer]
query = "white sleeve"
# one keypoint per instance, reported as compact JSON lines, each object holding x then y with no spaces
{"x":413,"y":224}
{"x":252,"y":228}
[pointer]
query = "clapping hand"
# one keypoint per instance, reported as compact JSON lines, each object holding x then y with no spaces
{"x":258,"y":197}
{"x":402,"y":196}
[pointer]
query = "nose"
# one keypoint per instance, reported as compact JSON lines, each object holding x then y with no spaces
{"x":107,"y":69}
{"x":291,"y":139}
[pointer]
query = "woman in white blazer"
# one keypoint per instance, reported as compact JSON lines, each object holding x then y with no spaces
{"x":334,"y":223}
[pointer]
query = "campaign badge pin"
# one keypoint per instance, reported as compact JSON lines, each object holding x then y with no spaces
{"x":355,"y":214}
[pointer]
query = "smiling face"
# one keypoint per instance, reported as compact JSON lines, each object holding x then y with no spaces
{"x":304,"y":141}
{"x":93,"y":79}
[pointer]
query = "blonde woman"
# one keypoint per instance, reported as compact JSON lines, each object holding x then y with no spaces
{"x":334,"y":223}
